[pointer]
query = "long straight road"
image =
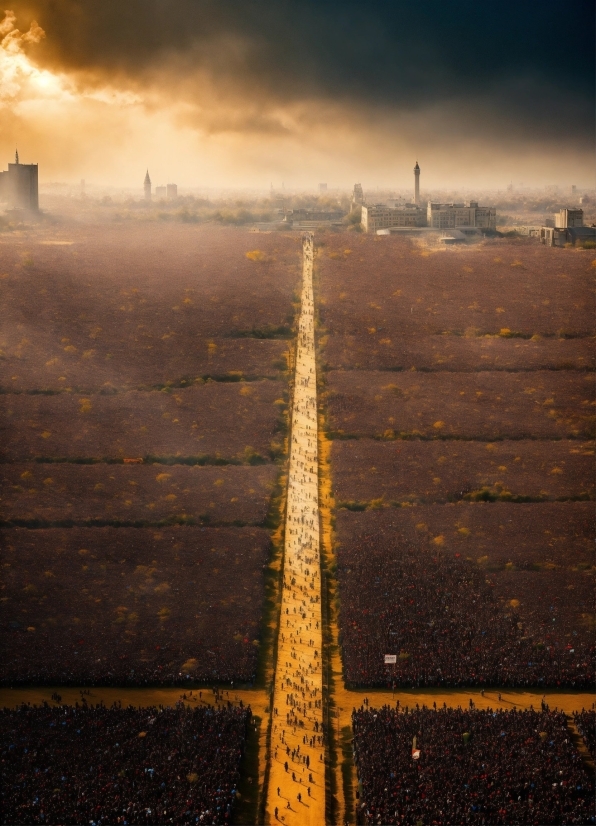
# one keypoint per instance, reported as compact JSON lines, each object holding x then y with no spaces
{"x":296,"y":789}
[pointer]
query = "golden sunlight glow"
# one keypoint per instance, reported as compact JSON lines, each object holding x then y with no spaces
{"x":204,"y":128}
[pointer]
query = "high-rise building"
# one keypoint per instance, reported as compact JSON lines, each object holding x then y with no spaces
{"x":417,"y":184}
{"x":147,"y":187}
{"x":160,"y":192}
{"x":19,"y":185}
{"x":172,"y":192}
{"x":357,"y":195}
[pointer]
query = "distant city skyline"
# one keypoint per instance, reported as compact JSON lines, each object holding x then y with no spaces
{"x":223,"y":96}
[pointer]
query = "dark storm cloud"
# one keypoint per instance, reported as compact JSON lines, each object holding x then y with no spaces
{"x":531,"y":63}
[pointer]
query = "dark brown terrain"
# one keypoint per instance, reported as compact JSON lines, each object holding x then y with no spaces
{"x":129,"y":606}
{"x":59,"y":492}
{"x":143,"y":376}
{"x":458,"y":390}
{"x":451,"y":470}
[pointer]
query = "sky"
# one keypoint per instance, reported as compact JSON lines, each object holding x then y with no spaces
{"x":248,"y":93}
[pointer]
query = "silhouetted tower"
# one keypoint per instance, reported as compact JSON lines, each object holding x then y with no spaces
{"x":19,"y":185}
{"x":147,"y":187}
{"x":417,"y":184}
{"x":357,"y":196}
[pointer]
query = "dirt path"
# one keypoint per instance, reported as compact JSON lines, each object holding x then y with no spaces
{"x":296,"y":789}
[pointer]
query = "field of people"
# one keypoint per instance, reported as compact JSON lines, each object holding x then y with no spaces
{"x":586,"y":725}
{"x":145,"y":399}
{"x":468,"y":353}
{"x":459,"y":611}
{"x":65,"y":492}
{"x":144,"y":386}
{"x":132,"y":605}
{"x":215,"y":419}
{"x":487,"y":405}
{"x":521,"y":535}
{"x":429,"y":765}
{"x":375,"y":288}
{"x":128,"y":305}
{"x":365,"y":470}
{"x":458,"y":391}
{"x":93,"y":764}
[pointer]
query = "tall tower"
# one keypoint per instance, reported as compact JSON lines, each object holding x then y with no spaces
{"x":417,"y":184}
{"x":147,"y":187}
{"x":19,"y":185}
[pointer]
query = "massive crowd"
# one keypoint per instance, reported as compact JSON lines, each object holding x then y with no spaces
{"x":98,"y":765}
{"x":99,"y":659}
{"x":586,"y":725}
{"x":454,"y":766}
{"x":442,"y":618}
{"x":123,"y":606}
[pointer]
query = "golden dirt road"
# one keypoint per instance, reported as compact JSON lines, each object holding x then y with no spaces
{"x":296,"y":789}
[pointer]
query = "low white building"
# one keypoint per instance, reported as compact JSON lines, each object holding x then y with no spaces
{"x":452,"y":216}
{"x":382,"y":216}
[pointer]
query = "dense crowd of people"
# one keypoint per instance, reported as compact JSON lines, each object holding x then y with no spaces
{"x":441,"y":616}
{"x":98,"y":765}
{"x":120,"y":606}
{"x":453,"y":766}
{"x":98,"y":659}
{"x":586,"y":725}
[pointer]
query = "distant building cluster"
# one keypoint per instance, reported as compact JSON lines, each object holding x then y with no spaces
{"x":169,"y":192}
{"x":568,"y":229}
{"x":468,"y":218}
{"x":19,"y":185}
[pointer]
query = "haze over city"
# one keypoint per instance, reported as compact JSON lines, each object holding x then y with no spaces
{"x":221,"y":94}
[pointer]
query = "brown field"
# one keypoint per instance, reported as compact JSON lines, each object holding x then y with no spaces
{"x":392,"y":285}
{"x":169,"y":362}
{"x":443,"y":471}
{"x":216,"y":418}
{"x":493,"y":535}
{"x":470,"y":370}
{"x":375,"y":351}
{"x":138,"y":303}
{"x":96,"y":320}
{"x":488,"y":405}
{"x":132,"y":605}
{"x":34,"y":492}
{"x":454,"y":606}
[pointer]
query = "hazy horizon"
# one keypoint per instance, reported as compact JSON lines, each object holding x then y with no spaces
{"x":216,"y":95}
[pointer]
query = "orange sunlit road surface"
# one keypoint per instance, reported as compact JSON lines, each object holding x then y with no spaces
{"x":296,"y":790}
